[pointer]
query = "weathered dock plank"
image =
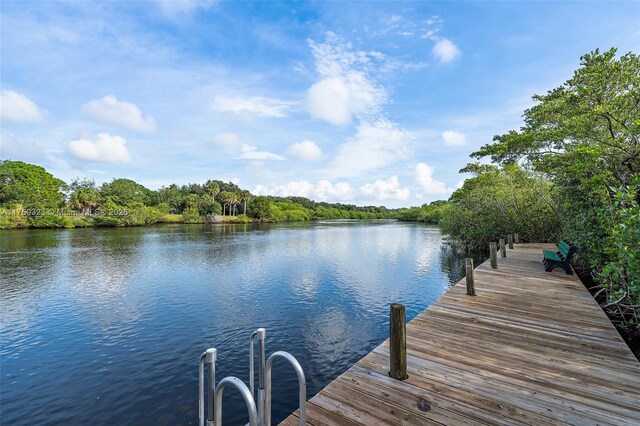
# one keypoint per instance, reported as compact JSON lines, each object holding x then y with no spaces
{"x":530,"y":348}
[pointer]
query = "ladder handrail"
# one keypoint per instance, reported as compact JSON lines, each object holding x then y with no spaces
{"x":251,"y":369}
{"x":201,"y":389}
{"x":209,"y":357}
{"x":246,"y":395}
{"x":302,"y":386}
{"x":258,"y":406}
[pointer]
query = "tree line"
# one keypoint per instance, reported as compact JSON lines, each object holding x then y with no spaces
{"x":31,"y":197}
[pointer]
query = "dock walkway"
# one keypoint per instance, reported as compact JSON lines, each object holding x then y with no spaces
{"x":530,"y":348}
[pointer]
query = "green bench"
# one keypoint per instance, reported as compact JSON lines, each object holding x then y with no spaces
{"x":559,"y":259}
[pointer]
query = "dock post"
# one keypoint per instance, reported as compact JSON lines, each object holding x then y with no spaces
{"x":516,"y":239}
{"x":471,"y":288}
{"x":493,"y":249}
{"x":398,"y":342}
{"x":503,"y":248}
{"x":510,"y":240}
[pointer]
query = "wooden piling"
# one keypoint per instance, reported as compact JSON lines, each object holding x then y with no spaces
{"x":493,"y":248}
{"x":398,"y":342}
{"x":516,"y":238}
{"x":510,"y":240}
{"x":503,"y":248}
{"x":471,"y":288}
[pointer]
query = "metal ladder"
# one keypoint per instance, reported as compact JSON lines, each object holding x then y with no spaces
{"x":259,"y":415}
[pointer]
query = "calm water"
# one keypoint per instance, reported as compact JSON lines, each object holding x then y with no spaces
{"x":105,"y":326}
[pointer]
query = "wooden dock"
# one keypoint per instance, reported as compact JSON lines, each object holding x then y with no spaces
{"x":530,"y":348}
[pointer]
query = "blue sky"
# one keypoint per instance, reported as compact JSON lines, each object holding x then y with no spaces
{"x":363,"y":102}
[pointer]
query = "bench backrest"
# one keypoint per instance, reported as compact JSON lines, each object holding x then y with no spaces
{"x":566,"y":249}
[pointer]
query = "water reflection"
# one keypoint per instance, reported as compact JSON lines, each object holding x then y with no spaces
{"x":121,"y":315}
{"x":452,"y":260}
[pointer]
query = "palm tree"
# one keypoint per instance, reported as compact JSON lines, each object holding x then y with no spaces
{"x":225,"y":198}
{"x":191,"y":201}
{"x":85,"y":199}
{"x":245,"y":197}
{"x":234,"y":201}
{"x":213,"y":189}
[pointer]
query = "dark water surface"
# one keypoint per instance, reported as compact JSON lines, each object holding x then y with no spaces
{"x":105,"y":326}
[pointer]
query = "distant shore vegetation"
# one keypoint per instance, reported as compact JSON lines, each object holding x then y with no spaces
{"x":31,"y":197}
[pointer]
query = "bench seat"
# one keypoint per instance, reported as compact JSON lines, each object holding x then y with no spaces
{"x":549,"y":254}
{"x":559,"y":259}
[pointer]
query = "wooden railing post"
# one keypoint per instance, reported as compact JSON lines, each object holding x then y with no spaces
{"x":471,"y":288}
{"x":510,"y":240}
{"x":398,"y":342}
{"x":503,"y":248}
{"x":493,"y":255}
{"x":516,"y":238}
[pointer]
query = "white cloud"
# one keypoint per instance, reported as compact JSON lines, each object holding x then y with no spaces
{"x":323,"y":190}
{"x":423,"y":174}
{"x":105,"y":149}
{"x":446,"y":51}
{"x":453,"y":138}
{"x":345,"y":89}
{"x":382,"y":190}
{"x":249,"y":152}
{"x":110,"y":110}
{"x":329,"y":100}
{"x":258,"y":105}
{"x":305,"y":150}
{"x":375,"y":145}
{"x":230,"y":143}
{"x":294,"y":188}
{"x":434,"y":20}
{"x":17,"y":107}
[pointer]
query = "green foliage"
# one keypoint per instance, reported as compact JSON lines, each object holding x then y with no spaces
{"x":84,"y":196}
{"x":137,"y":214}
{"x":171,"y":218}
{"x":12,"y":218}
{"x":173,"y":197}
{"x":29,"y":185}
{"x":621,"y":274}
{"x":427,"y":213}
{"x":497,"y":202}
{"x":208,"y":206}
{"x":260,"y":208}
{"x":108,"y":221}
{"x":323,"y":213}
{"x":242,"y":218}
{"x":50,"y":220}
{"x":212,"y":188}
{"x":109,"y":214}
{"x":81,"y":223}
{"x":286,"y":211}
{"x":191,"y":215}
{"x":125,"y":191}
{"x":585,"y":136}
{"x":226,"y":186}
{"x":134,"y":214}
